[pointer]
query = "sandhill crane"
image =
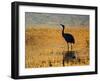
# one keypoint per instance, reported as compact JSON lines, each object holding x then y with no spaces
{"x":68,"y":37}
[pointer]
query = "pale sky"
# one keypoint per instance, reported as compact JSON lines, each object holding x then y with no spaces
{"x":32,"y":18}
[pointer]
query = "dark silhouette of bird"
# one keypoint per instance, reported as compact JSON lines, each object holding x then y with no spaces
{"x":69,"y":38}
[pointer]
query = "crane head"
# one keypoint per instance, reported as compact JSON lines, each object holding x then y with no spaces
{"x":62,"y":25}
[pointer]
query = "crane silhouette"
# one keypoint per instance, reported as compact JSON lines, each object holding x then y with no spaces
{"x":68,"y":38}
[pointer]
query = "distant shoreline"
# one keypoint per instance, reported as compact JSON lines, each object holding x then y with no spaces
{"x":53,"y":26}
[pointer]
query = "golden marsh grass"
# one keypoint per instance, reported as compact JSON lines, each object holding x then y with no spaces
{"x":45,"y":46}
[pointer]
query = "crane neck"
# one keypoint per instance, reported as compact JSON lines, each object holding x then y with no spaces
{"x":63,"y":28}
{"x":63,"y":31}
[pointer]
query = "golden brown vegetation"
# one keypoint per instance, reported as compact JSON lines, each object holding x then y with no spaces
{"x":45,"y":46}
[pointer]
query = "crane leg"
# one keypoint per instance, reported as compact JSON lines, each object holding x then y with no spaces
{"x":68,"y":46}
{"x":71,"y":47}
